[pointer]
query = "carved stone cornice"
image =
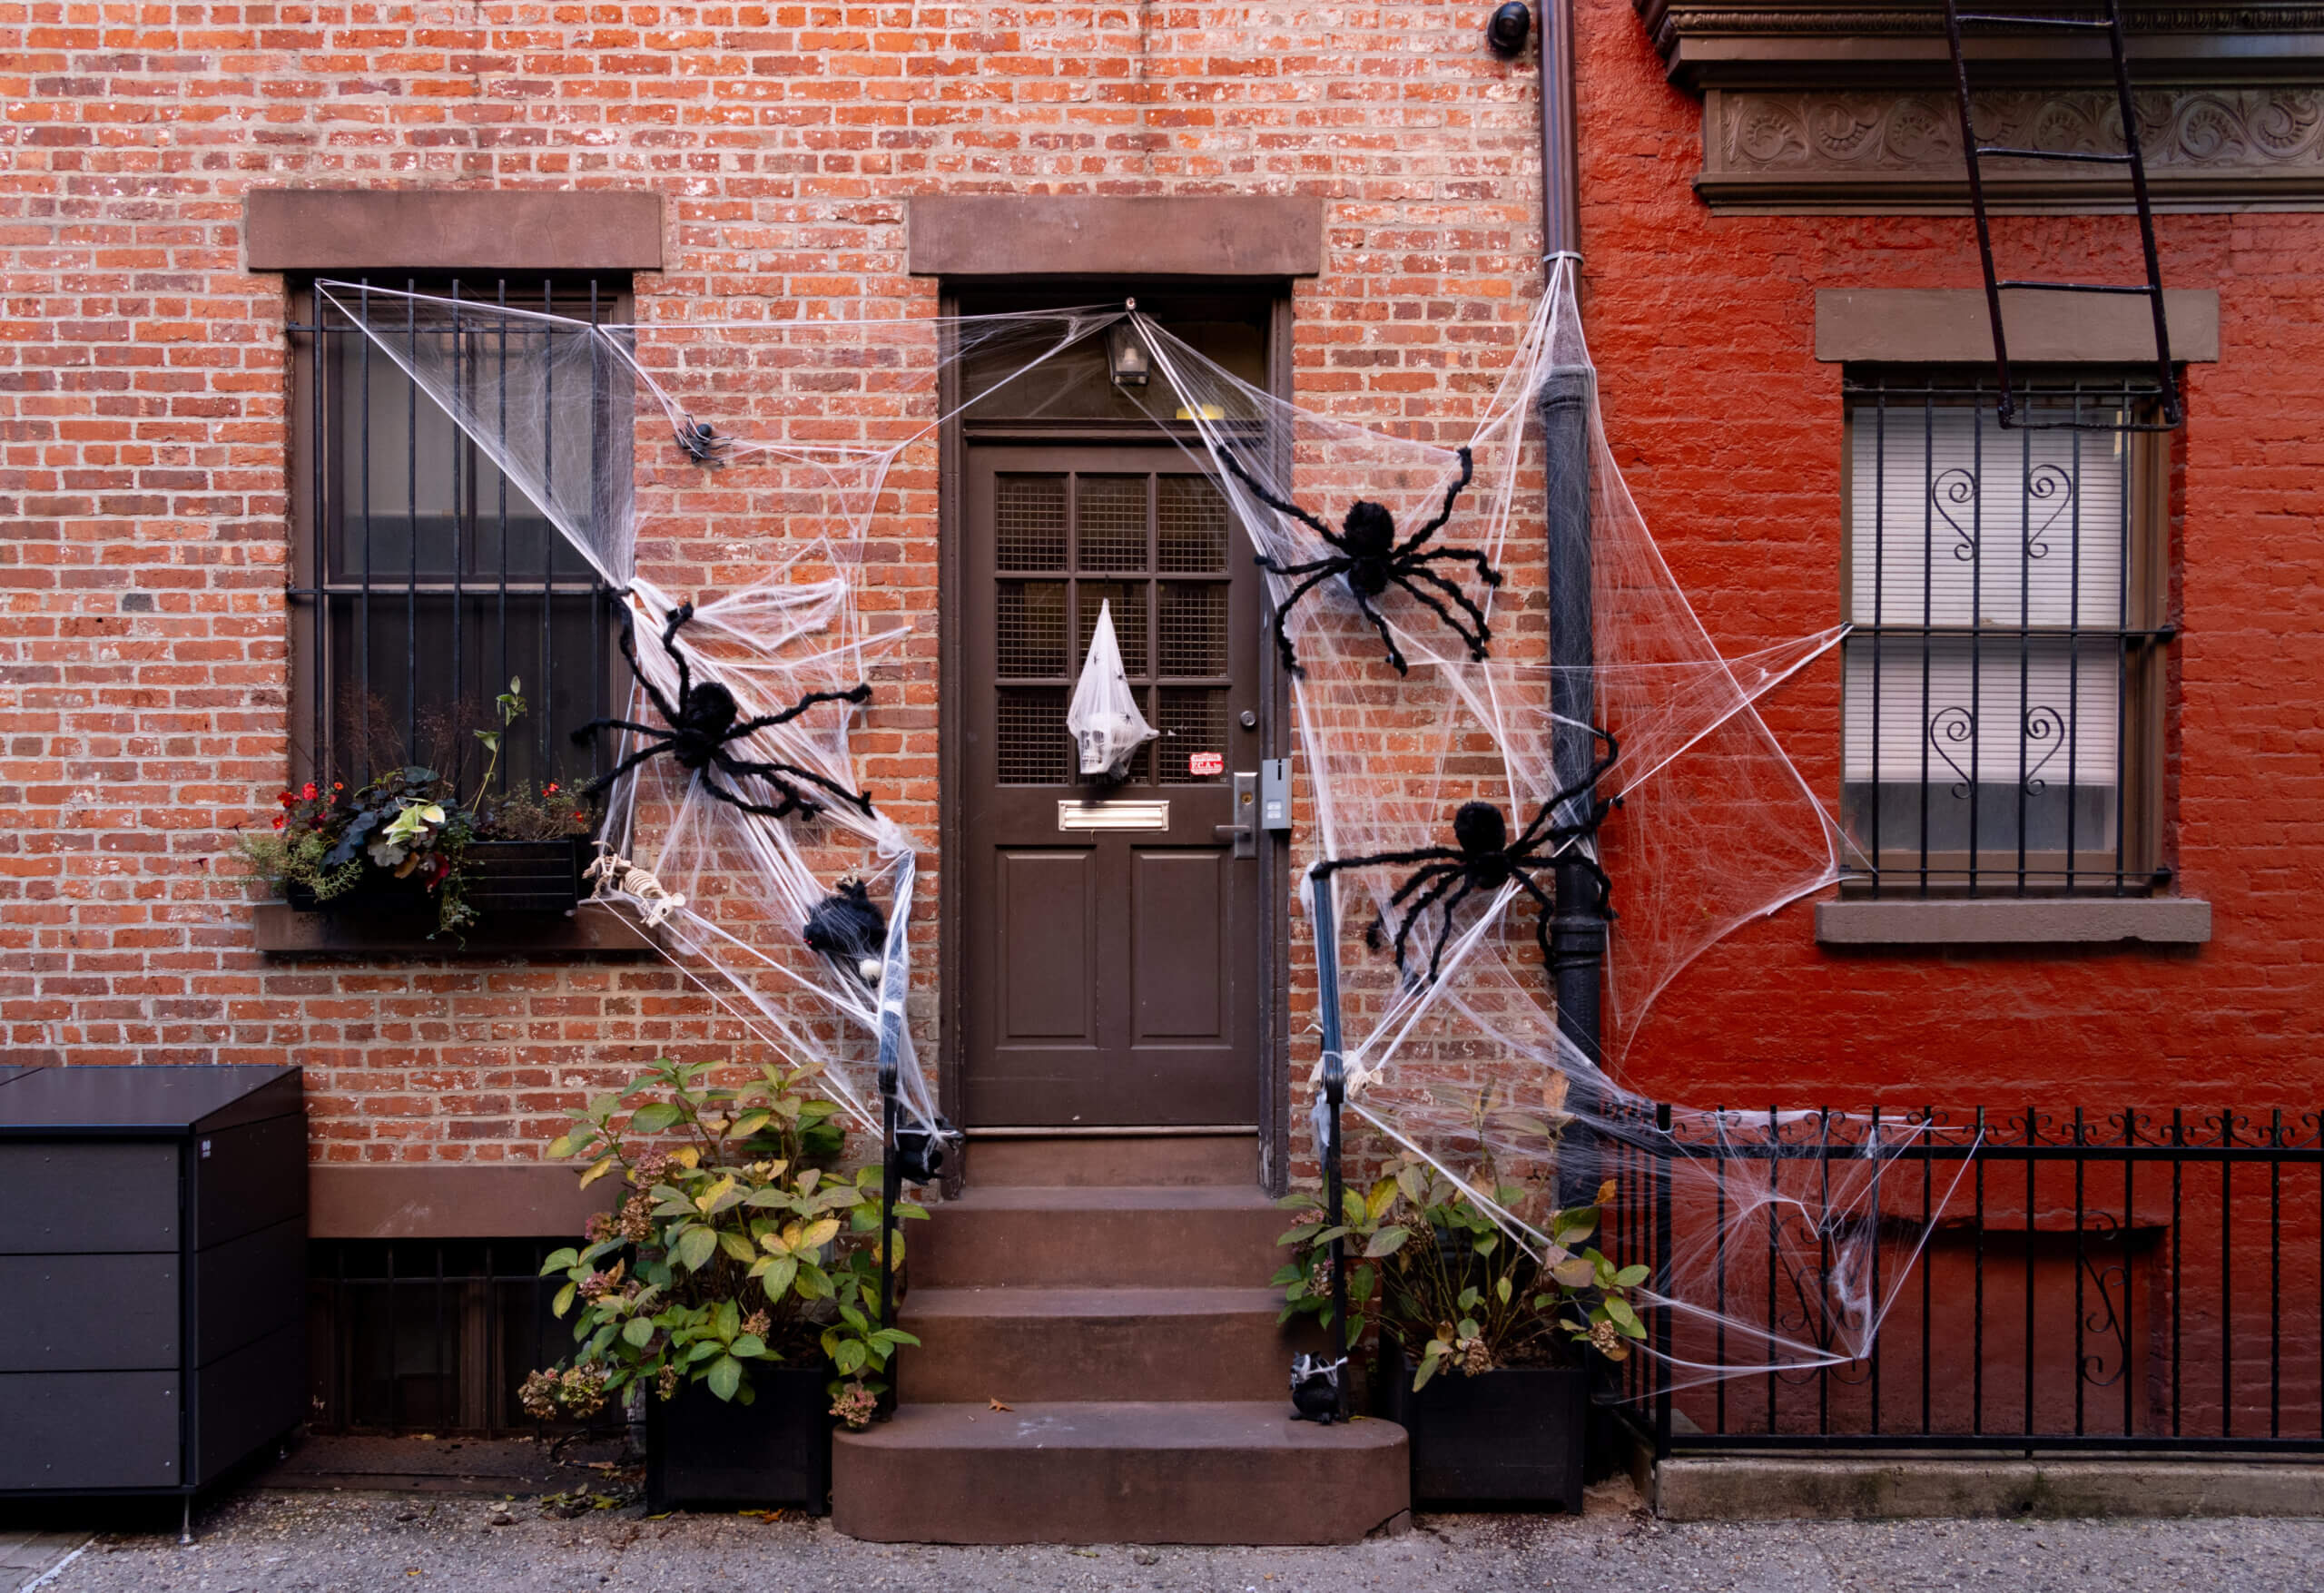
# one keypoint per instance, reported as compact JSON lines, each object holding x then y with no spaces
{"x":1860,"y":44}
{"x":2225,"y":148}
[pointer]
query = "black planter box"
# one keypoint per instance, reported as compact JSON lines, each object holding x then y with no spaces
{"x":503,"y":876}
{"x":701,"y":1450}
{"x":1512,"y":1435}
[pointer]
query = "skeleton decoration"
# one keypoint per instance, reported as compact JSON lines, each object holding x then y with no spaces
{"x":706,"y":721}
{"x":1367,"y":556}
{"x":617,"y":872}
{"x":848,"y":927}
{"x":1483,"y":859}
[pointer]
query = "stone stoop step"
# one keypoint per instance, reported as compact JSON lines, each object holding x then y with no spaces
{"x":1147,"y":1471}
{"x":1129,"y":1327}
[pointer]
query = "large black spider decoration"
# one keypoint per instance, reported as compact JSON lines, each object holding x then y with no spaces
{"x":1484,"y":859}
{"x":1365,"y":552}
{"x":702,"y":724}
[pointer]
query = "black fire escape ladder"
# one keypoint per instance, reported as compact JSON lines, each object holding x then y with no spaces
{"x":2110,"y":25}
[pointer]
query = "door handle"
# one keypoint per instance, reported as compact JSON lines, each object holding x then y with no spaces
{"x":1245,"y":835}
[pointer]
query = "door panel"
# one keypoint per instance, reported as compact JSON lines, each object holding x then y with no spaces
{"x":1180,"y":902}
{"x":1048,"y":901}
{"x":1112,"y":975}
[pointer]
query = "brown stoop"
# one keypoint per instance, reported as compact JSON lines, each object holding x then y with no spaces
{"x":1111,"y":1293}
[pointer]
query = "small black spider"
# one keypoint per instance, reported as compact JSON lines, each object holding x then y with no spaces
{"x":1485,"y":858}
{"x":1367,"y":553}
{"x":702,"y":724}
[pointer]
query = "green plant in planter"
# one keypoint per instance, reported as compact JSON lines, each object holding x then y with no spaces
{"x":739,"y":1243}
{"x":1448,"y":1287}
{"x":408,"y":823}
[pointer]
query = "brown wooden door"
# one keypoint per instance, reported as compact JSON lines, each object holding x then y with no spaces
{"x":1112,"y":975}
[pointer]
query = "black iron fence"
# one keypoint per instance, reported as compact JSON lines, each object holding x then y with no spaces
{"x":2044,"y":1280}
{"x":409,"y":1336}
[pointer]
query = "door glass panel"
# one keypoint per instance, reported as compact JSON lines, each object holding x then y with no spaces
{"x":1029,"y":630}
{"x":1192,"y":719}
{"x":1110,"y":521}
{"x":1029,"y":736}
{"x":1029,"y":522}
{"x":1128,"y":598}
{"x":1194,"y":628}
{"x":1191,"y":518}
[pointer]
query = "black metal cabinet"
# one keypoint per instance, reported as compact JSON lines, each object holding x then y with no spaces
{"x":152,"y":1273}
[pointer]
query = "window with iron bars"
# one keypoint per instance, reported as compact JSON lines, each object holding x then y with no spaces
{"x":2009,"y":592}
{"x":423,"y":581}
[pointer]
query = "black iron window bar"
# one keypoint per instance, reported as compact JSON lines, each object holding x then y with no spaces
{"x":352,"y":591}
{"x":2127,"y":1281}
{"x":432,"y":1336}
{"x":1953,"y":817}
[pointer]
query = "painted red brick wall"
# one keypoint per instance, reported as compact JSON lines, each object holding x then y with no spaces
{"x":142,"y":489}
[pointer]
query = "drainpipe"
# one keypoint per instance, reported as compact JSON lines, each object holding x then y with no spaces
{"x":1577,"y":931}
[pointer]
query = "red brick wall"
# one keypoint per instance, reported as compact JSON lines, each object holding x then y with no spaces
{"x":142,"y":392}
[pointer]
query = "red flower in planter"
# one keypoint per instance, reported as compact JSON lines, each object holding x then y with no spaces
{"x":308,"y":792}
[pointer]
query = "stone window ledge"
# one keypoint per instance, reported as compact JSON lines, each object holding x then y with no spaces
{"x":2154,"y":920}
{"x":591,"y":930}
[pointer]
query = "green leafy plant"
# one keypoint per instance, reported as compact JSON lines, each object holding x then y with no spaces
{"x":738,"y":1244}
{"x":1448,"y":1287}
{"x":408,"y":823}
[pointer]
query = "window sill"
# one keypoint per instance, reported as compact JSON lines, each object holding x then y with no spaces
{"x":2154,"y":920}
{"x":591,"y":930}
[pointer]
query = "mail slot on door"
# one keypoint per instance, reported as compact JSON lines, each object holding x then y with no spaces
{"x":1073,"y":815}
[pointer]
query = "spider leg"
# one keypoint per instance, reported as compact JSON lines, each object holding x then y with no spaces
{"x":855,"y":693}
{"x":1450,"y":864}
{"x":1485,"y":571}
{"x":1364,"y":605}
{"x":792,"y":803}
{"x":586,"y":730}
{"x":661,"y":744}
{"x":1541,"y":919}
{"x":1335,"y":561}
{"x":1540,"y":830}
{"x":1283,"y":612}
{"x":629,"y":650}
{"x":1468,"y":474}
{"x":1419,"y":909}
{"x":678,"y":616}
{"x":1475,"y":638}
{"x":783,"y":774}
{"x":1281,"y":506}
{"x":1445,"y":935}
{"x":1424,"y":854}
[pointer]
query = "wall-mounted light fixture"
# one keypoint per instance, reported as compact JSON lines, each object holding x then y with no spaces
{"x":1506,"y":31}
{"x":1126,"y":356}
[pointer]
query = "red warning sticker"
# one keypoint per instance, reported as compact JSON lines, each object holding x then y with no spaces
{"x":1206,"y":762}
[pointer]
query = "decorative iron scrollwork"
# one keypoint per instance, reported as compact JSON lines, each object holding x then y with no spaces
{"x":2042,"y":724}
{"x":1957,"y":725}
{"x":1957,"y":486}
{"x":2043,"y":483}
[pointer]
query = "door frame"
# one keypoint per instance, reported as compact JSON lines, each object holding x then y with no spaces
{"x":955,"y":436}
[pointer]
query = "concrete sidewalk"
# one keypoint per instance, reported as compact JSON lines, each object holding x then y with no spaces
{"x":267,"y":1541}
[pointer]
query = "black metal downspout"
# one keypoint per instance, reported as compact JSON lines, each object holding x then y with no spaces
{"x":1566,"y":399}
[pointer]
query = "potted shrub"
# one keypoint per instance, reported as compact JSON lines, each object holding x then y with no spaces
{"x":733,"y":1290}
{"x":1483,"y":1346}
{"x":408,"y":842}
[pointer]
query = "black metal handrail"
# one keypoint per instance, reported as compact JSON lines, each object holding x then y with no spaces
{"x":1334,"y":1096}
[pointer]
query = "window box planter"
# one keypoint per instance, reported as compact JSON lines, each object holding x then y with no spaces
{"x":701,"y":1450}
{"x":1513,"y":1435}
{"x":503,"y":876}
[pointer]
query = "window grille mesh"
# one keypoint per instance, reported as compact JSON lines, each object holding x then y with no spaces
{"x":1029,"y":523}
{"x":1110,"y":518}
{"x":1029,"y":630}
{"x":1128,"y":599}
{"x":1192,"y":719}
{"x":1191,"y":527}
{"x":1030,"y":741}
{"x":1194,"y":628}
